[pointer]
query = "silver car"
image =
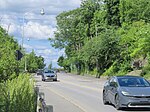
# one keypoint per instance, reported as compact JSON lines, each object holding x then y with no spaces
{"x":127,"y":91}
{"x":49,"y":75}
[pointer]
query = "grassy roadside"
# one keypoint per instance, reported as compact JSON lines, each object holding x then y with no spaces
{"x":18,"y":95}
{"x":93,"y":74}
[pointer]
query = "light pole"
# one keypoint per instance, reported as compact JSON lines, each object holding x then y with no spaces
{"x":23,"y":20}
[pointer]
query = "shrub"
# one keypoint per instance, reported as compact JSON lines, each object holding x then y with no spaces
{"x":18,"y":95}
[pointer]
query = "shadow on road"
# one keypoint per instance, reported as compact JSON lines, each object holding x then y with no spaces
{"x":38,"y":80}
{"x":137,"y":109}
{"x":52,"y":81}
{"x":38,"y":85}
{"x":132,"y":109}
{"x":49,"y":108}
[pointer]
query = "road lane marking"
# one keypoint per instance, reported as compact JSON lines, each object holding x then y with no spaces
{"x":68,"y":99}
{"x":82,"y":86}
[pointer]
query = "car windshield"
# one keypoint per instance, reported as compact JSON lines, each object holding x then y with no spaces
{"x":133,"y":82}
{"x":48,"y":71}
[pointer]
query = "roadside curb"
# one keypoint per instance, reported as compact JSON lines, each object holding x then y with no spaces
{"x":90,"y":76}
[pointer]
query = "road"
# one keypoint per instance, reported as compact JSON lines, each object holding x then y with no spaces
{"x":74,"y":93}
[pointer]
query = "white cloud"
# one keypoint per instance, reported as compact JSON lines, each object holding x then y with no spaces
{"x":50,"y":55}
{"x":36,"y":26}
{"x":31,"y":29}
{"x":52,"y":7}
{"x":39,"y":47}
{"x":38,"y":31}
{"x":61,"y":52}
{"x":11,"y":25}
{"x":54,"y":60}
{"x":45,"y":52}
{"x":27,"y":46}
{"x":41,"y":27}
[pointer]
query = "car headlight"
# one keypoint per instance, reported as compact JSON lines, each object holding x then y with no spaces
{"x":125,"y":93}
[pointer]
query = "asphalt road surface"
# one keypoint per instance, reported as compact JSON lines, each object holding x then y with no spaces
{"x":74,"y":93}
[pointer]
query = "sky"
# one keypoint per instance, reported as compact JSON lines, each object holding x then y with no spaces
{"x":18,"y":14}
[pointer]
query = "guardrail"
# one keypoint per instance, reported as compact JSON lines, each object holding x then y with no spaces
{"x":41,"y":105}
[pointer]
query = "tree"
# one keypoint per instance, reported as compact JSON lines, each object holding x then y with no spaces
{"x":113,"y":13}
{"x":8,"y":63}
{"x":103,"y":36}
{"x":134,"y":10}
{"x":60,"y":61}
{"x":34,"y":62}
{"x":65,"y":63}
{"x":50,"y":66}
{"x":40,"y":62}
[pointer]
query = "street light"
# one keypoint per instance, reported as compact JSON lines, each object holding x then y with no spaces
{"x":42,"y":11}
{"x":23,"y":19}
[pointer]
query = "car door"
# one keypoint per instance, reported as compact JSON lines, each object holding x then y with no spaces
{"x":112,"y":89}
{"x":109,"y":89}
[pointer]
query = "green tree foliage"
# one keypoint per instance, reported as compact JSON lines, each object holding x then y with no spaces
{"x":112,"y":12}
{"x":104,"y":36}
{"x":40,"y":62}
{"x":8,"y":63}
{"x":64,"y":62}
{"x":50,"y":66}
{"x":16,"y":91}
{"x":134,"y":10}
{"x":34,"y":62}
{"x":18,"y":95}
{"x":101,"y":51}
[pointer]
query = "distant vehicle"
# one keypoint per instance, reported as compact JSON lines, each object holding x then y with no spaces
{"x":49,"y":75}
{"x":39,"y":72}
{"x":127,"y":91}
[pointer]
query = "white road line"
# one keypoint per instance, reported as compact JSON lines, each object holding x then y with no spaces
{"x":68,"y":99}
{"x":82,"y":86}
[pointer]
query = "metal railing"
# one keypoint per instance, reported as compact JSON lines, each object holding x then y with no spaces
{"x":41,"y":104}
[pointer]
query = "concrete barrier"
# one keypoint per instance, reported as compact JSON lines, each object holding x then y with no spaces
{"x":41,"y":105}
{"x":40,"y":102}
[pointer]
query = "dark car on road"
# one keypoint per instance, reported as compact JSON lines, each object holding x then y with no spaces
{"x":127,"y":91}
{"x":39,"y":72}
{"x":49,"y":75}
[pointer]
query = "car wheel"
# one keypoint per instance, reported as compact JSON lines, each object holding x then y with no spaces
{"x":55,"y":80}
{"x":43,"y":79}
{"x":117,"y":102}
{"x":104,"y":98}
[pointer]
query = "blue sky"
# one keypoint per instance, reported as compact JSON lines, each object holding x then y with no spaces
{"x":37,"y":28}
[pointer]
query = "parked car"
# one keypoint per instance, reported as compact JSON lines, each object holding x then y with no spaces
{"x":127,"y":91}
{"x":49,"y":75}
{"x":39,"y":72}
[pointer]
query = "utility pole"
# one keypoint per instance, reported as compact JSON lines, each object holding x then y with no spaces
{"x":23,"y":20}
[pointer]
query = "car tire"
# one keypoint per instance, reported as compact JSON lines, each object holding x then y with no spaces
{"x":43,"y":79}
{"x":117,"y":102}
{"x":55,"y":80}
{"x":104,"y":98}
